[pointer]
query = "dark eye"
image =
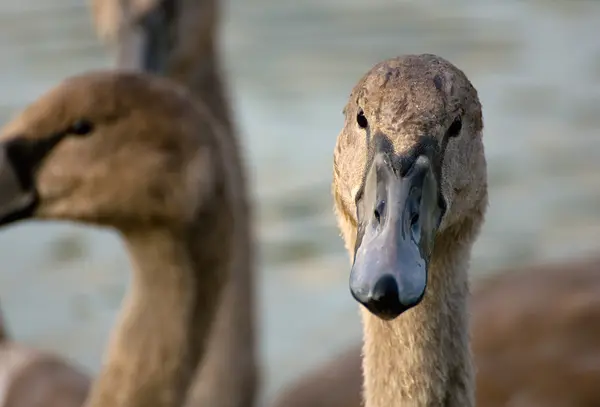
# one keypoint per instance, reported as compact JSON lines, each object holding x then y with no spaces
{"x":361,"y":119}
{"x":455,"y":128}
{"x":81,"y":127}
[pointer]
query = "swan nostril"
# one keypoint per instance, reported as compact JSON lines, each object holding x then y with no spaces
{"x":414,"y":220}
{"x":379,"y":211}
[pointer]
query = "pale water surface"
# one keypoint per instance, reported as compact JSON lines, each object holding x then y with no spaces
{"x":292,"y":65}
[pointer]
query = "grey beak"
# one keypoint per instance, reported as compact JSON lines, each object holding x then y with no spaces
{"x":398,"y":217}
{"x":18,"y":197}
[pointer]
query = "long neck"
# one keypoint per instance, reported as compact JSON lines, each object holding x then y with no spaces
{"x":228,"y":376}
{"x":161,"y":332}
{"x":422,"y":358}
{"x":202,"y":75}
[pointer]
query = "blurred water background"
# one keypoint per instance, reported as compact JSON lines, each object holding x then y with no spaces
{"x":291,"y":66}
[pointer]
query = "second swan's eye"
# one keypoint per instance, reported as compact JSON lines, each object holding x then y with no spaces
{"x":81,"y":127}
{"x":362,"y":121}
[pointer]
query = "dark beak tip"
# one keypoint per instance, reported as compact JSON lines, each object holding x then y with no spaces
{"x":383,"y":312}
{"x":384,"y":299}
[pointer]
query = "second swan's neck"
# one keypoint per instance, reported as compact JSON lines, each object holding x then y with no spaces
{"x":227,"y":376}
{"x":161,"y":331}
{"x":422,"y":358}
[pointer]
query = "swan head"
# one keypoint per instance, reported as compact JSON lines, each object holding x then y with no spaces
{"x":408,"y":165}
{"x":158,"y":36}
{"x":108,"y":148}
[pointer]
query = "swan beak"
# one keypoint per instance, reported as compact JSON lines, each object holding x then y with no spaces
{"x":398,"y":217}
{"x":146,"y":45}
{"x":18,"y":197}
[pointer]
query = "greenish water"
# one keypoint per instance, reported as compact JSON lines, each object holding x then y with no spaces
{"x":292,"y":64}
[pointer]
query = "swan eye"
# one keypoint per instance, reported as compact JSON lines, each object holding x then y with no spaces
{"x":362,"y":121}
{"x":455,"y":127}
{"x":81,"y":127}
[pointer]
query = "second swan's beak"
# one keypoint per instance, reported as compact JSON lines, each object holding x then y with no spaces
{"x":18,"y":197}
{"x":398,"y":217}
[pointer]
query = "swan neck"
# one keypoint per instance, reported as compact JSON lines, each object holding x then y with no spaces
{"x":205,"y":80}
{"x":422,"y":358}
{"x":160,"y":335}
